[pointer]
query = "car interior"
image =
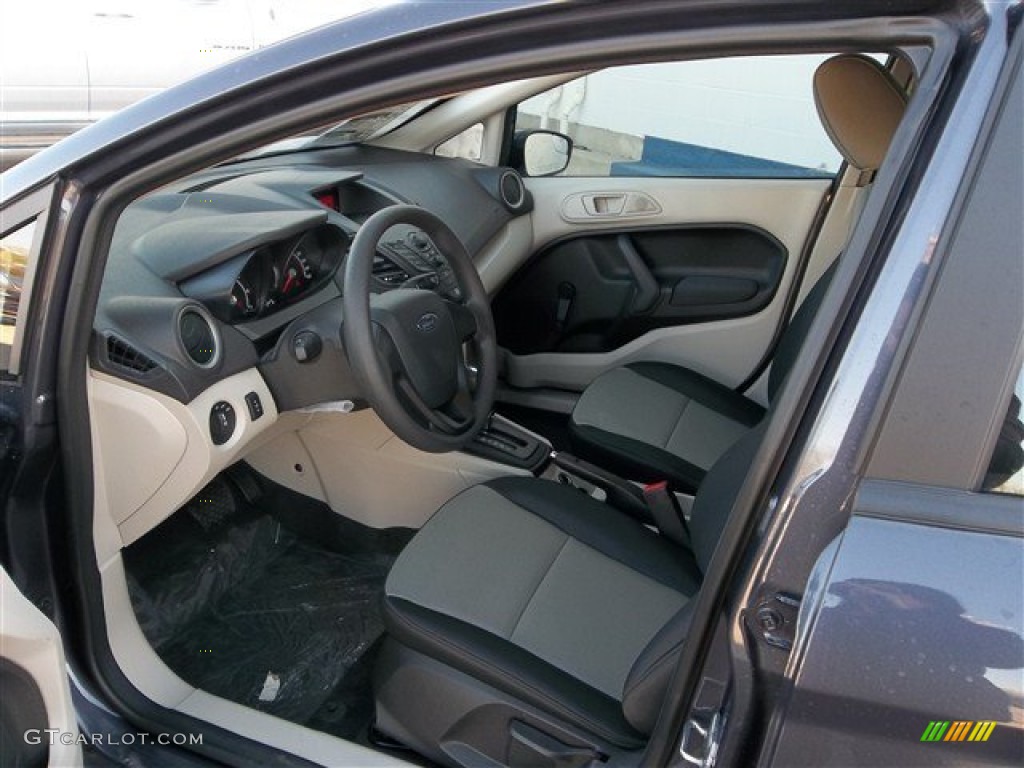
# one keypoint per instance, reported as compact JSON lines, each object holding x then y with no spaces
{"x":402,"y":445}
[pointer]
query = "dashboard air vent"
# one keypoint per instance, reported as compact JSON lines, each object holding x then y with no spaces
{"x":198,"y":337}
{"x":124,"y":355}
{"x":512,"y":190}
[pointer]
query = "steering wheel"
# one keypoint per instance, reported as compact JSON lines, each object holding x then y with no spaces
{"x":405,"y":346}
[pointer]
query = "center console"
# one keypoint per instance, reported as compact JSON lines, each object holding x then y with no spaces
{"x":507,"y":443}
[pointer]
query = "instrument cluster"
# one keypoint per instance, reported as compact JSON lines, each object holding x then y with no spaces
{"x":264,"y":280}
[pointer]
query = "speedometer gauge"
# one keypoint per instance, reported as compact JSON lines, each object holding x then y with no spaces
{"x":300,"y":268}
{"x":297,"y":272}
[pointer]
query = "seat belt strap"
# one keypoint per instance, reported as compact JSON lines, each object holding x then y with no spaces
{"x":667,"y":514}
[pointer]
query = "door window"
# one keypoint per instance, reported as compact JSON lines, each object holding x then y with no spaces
{"x":739,"y":117}
{"x":469,"y":144}
{"x":1005,"y":472}
{"x":15,"y":247}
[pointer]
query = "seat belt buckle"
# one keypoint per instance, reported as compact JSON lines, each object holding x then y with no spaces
{"x":667,"y":514}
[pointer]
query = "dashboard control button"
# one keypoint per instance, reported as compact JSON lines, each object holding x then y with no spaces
{"x":252,"y":400}
{"x":222,"y":422}
{"x":307,"y":346}
{"x":418,"y":240}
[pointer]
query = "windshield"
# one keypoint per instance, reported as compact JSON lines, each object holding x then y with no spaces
{"x":354,"y":130}
{"x":372,"y":124}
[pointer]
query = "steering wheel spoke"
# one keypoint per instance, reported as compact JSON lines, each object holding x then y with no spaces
{"x":435,"y":417}
{"x":387,"y":353}
{"x":466,"y":326}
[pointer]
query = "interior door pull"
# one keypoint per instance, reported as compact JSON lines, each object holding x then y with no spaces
{"x":566,"y":293}
{"x":610,"y":205}
{"x":604,"y":205}
{"x":647,"y":290}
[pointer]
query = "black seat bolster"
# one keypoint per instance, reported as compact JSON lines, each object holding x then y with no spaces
{"x":508,"y":668}
{"x":649,"y":676}
{"x":644,"y":691}
{"x":633,"y":458}
{"x":792,"y":339}
{"x":609,"y":531}
{"x":712,"y":507}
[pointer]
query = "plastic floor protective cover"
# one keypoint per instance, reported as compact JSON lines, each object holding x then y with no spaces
{"x":262,"y":596}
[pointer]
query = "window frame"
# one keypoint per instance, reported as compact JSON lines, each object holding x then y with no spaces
{"x":34,"y":209}
{"x":978,"y":379}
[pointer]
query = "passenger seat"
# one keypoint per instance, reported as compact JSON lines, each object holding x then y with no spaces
{"x":654,"y":421}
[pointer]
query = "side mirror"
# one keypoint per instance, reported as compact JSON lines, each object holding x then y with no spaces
{"x":540,"y":153}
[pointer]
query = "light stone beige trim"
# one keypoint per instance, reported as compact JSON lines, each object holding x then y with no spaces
{"x":31,"y":641}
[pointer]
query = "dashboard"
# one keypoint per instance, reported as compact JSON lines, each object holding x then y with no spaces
{"x":241,"y":266}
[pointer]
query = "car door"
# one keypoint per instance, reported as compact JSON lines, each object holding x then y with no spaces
{"x":681,"y":226}
{"x":910,"y":640}
{"x":138,"y":48}
{"x":37,"y":721}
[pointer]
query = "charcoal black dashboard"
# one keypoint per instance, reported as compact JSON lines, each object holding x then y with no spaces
{"x":221,"y":271}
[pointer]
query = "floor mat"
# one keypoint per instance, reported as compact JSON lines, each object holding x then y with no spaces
{"x":240,"y":603}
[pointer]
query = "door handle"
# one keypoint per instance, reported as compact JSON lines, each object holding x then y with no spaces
{"x":613,"y":205}
{"x":604,"y":205}
{"x":647,"y":288}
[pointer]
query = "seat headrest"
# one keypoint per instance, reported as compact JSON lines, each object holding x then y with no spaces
{"x":860,"y":105}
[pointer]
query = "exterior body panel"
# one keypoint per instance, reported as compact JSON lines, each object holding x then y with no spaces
{"x":918,"y":624}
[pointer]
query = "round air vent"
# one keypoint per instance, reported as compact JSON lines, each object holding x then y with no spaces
{"x":512,"y":190}
{"x":198,"y":337}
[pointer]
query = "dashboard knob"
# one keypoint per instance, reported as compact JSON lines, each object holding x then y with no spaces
{"x":222,"y":422}
{"x":307,"y":346}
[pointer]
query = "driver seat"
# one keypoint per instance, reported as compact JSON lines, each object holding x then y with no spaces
{"x":529,"y":624}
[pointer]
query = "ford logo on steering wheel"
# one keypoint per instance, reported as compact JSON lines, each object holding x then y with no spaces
{"x":427,"y":322}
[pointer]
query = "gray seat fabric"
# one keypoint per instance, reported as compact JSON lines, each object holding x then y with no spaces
{"x":655,"y":421}
{"x":515,"y":580}
{"x":556,"y":599}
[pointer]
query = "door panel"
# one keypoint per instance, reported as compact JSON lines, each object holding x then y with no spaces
{"x":36,"y":692}
{"x":913,"y":639}
{"x":594,"y":293}
{"x":722,"y":252}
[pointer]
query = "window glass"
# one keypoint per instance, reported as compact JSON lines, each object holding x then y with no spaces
{"x":1006,"y":466}
{"x":14,"y":251}
{"x":469,"y":144}
{"x":739,"y":117}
